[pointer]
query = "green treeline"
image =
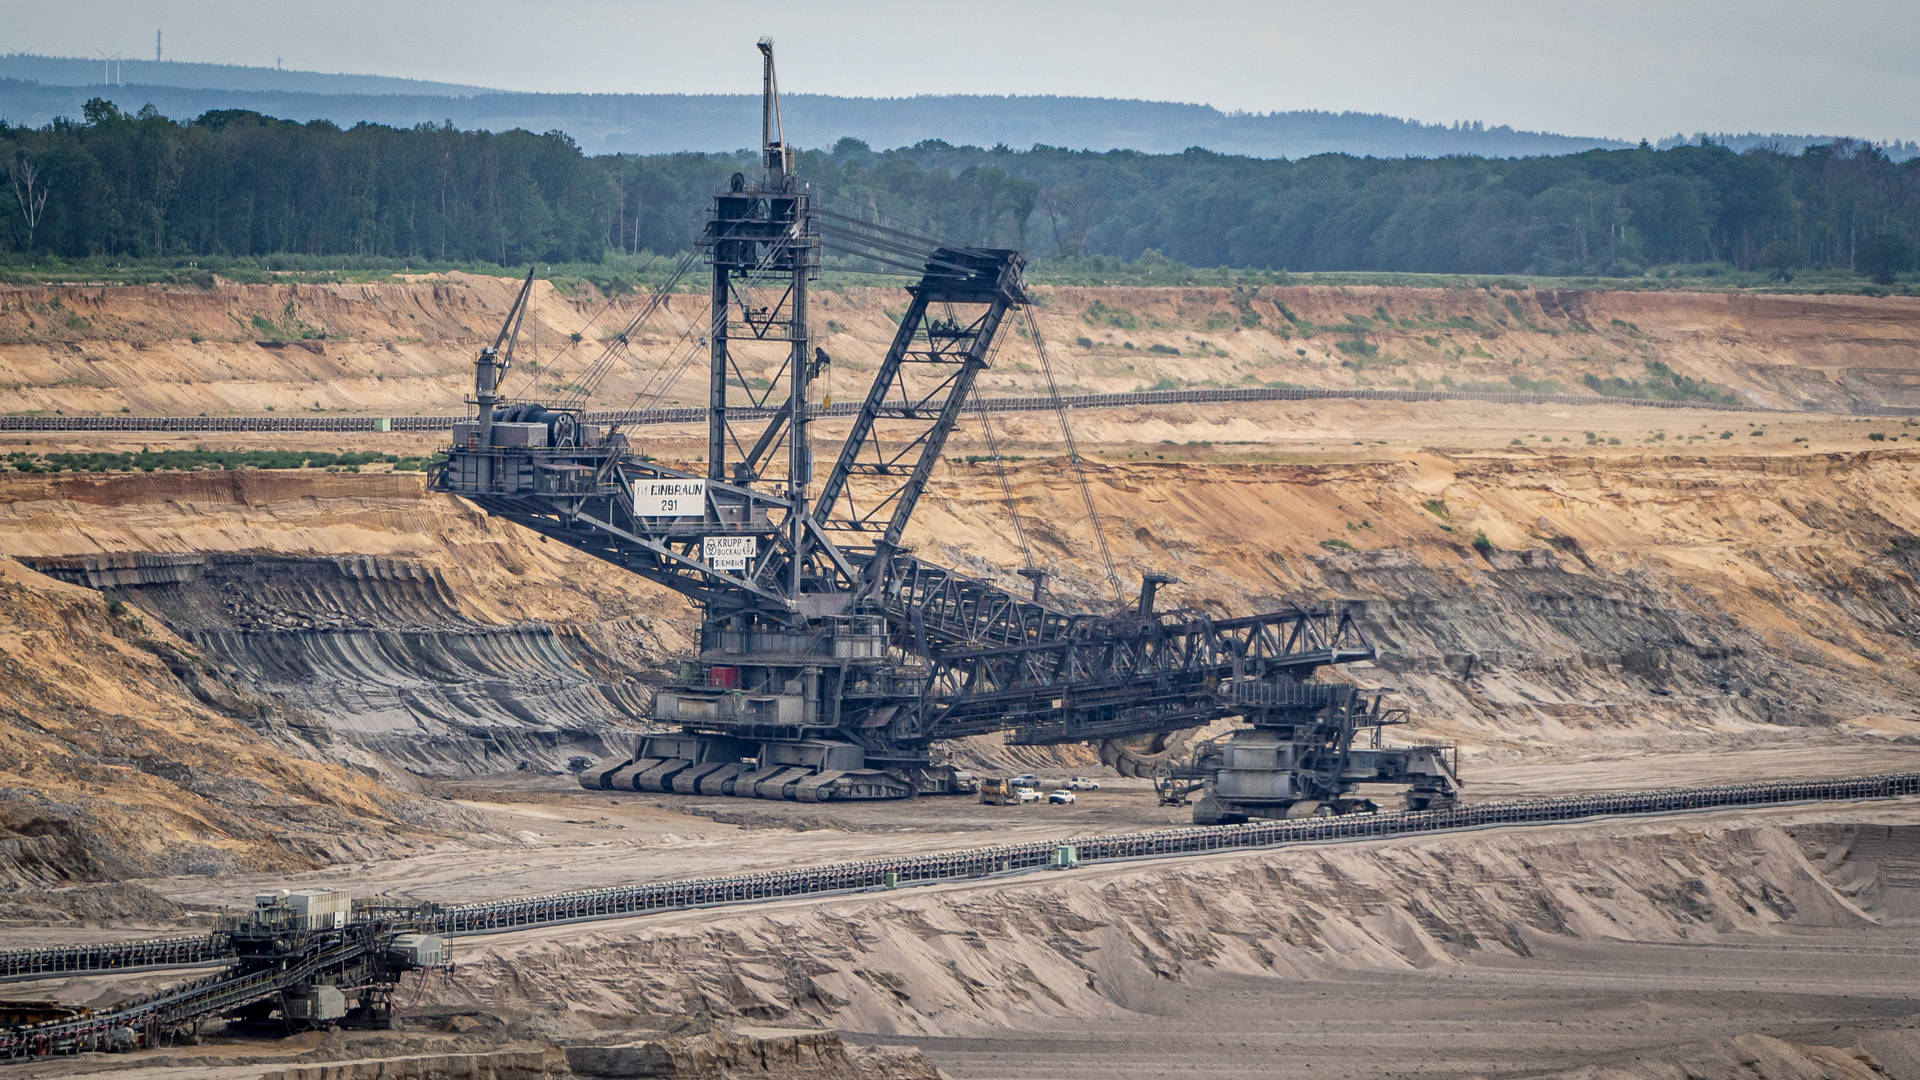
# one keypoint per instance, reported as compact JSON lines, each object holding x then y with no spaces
{"x":238,"y":184}
{"x":1612,"y":212}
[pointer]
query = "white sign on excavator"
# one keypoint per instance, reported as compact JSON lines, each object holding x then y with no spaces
{"x":729,"y":552}
{"x":669,"y":498}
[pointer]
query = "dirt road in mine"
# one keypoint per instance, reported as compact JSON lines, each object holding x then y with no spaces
{"x":544,"y":834}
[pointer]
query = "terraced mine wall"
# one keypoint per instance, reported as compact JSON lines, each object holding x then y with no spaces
{"x":375,"y":652}
{"x":1537,"y":602}
{"x":1622,"y":601}
{"x":245,"y":669}
{"x":1646,"y":601}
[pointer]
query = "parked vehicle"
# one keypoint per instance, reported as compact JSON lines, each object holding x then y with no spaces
{"x":1061,"y":796}
{"x":1025,"y":780}
{"x":1028,"y":795}
{"x":995,"y":791}
{"x":1081,"y":783}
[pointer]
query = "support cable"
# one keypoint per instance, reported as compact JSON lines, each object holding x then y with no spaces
{"x":898,"y":240}
{"x":1000,"y":468}
{"x":919,"y":231}
{"x":656,"y":389}
{"x":590,"y":380}
{"x":870,"y":246}
{"x":530,"y":382}
{"x":1073,"y":455}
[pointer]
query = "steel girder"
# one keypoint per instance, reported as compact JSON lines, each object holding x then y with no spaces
{"x":935,"y":609}
{"x":922,"y":384}
{"x":1131,"y":673}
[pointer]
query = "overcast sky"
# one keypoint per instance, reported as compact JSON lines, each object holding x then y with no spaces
{"x":1622,"y":68}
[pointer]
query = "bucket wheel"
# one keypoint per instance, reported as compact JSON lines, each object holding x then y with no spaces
{"x":1141,"y":756}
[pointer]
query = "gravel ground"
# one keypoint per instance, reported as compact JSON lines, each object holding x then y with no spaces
{"x":548,"y":835}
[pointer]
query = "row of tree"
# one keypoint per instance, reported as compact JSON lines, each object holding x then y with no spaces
{"x":1839,"y":205}
{"x":237,"y":183}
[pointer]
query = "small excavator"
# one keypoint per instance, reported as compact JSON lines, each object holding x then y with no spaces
{"x":833,"y":659}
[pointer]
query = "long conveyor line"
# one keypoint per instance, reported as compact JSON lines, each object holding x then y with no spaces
{"x":868,"y":874}
{"x":698,"y":414}
{"x":144,"y":954}
{"x":547,"y":910}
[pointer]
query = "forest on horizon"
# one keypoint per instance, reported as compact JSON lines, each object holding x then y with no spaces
{"x":236,"y":183}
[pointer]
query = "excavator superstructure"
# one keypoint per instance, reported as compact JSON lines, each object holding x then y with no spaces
{"x":833,"y":660}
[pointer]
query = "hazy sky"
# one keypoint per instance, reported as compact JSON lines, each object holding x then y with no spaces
{"x":1624,"y":68}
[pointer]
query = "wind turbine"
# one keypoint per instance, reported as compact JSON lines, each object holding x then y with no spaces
{"x":107,"y":74}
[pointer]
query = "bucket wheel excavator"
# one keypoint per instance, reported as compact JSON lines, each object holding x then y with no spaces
{"x":833,"y":659}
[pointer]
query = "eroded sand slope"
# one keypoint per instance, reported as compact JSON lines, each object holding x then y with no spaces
{"x":1624,"y":945}
{"x":125,"y":753}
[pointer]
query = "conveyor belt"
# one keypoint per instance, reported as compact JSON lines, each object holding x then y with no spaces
{"x":696,"y":414}
{"x":613,"y":902}
{"x":507,"y":915}
{"x":143,"y":955}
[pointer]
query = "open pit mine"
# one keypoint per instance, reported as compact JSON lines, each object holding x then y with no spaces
{"x":880,"y":682}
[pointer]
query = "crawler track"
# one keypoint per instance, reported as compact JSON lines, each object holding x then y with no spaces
{"x":694,"y":414}
{"x":617,"y":902}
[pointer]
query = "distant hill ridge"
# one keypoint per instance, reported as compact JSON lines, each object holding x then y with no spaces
{"x":79,"y":71}
{"x":35,"y":89}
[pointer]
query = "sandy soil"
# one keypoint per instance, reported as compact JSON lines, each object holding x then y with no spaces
{"x":541,"y":837}
{"x":1715,"y":597}
{"x":1703,"y":1008}
{"x":408,"y":347}
{"x":1619,"y":945}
